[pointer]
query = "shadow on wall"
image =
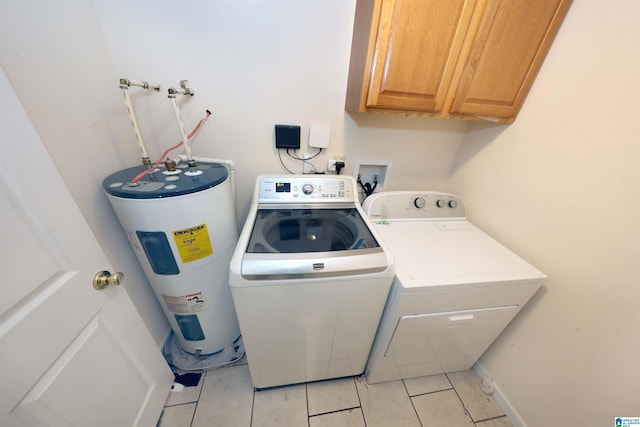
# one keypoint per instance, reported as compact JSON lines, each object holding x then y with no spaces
{"x":477,"y":137}
{"x":414,"y":123}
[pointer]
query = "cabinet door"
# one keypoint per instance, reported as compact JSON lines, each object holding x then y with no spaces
{"x":415,"y":51}
{"x":506,"y":54}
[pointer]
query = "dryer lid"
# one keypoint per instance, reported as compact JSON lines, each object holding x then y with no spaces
{"x":450,"y":253}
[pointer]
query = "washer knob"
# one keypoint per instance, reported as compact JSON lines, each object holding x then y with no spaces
{"x":307,"y":188}
{"x":453,"y":203}
{"x":419,"y":202}
{"x":441,"y":203}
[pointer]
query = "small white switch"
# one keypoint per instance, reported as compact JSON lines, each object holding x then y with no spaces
{"x":319,"y":136}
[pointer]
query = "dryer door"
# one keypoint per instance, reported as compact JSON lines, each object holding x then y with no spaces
{"x":434,"y":343}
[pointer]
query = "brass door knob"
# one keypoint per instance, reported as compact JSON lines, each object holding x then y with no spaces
{"x":102,"y":279}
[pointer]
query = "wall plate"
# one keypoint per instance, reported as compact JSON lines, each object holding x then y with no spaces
{"x":369,"y":169}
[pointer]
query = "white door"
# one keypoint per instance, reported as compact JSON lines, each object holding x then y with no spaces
{"x":69,"y":354}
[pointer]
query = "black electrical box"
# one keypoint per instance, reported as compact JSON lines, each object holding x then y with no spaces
{"x":287,"y":136}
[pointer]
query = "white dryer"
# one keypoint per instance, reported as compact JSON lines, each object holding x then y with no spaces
{"x":454,"y":291}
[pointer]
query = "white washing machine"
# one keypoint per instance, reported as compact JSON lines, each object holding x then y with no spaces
{"x":309,"y":280}
{"x":454,"y":291}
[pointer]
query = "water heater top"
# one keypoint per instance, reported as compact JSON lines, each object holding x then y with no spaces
{"x":162,"y":183}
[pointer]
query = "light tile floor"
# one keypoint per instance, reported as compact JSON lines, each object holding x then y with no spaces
{"x":225,"y":397}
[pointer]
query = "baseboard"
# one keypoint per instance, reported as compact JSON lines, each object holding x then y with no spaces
{"x":500,"y":398}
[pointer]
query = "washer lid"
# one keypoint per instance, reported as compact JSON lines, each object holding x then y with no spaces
{"x":291,"y":241}
{"x":449,"y":253}
{"x":303,"y":230}
{"x":162,"y":183}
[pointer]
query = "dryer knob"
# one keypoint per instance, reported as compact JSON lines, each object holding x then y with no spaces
{"x":419,"y":202}
{"x":453,"y":204}
{"x":441,"y":203}
{"x":307,"y":189}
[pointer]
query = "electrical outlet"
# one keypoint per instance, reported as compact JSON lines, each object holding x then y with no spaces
{"x":331,"y":166}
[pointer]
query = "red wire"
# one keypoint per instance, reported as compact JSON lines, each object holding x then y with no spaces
{"x":155,"y":165}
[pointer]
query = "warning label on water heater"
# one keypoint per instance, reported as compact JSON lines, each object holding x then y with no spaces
{"x":185,"y":304}
{"x":193,"y":243}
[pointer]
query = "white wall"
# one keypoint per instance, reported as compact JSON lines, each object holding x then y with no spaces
{"x":252,"y":63}
{"x":258,"y":63}
{"x":561,"y":187}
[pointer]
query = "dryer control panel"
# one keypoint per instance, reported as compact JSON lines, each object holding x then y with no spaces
{"x":411,"y":205}
{"x":305,"y":189}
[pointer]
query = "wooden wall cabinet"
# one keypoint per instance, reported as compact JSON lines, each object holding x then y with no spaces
{"x":465,"y":59}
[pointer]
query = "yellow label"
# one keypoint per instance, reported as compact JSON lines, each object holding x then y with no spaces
{"x":193,"y":243}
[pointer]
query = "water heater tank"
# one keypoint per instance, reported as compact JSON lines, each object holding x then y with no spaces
{"x":182,"y":227}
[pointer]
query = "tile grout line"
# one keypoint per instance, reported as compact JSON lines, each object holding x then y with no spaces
{"x":306,"y":394}
{"x":411,"y":400}
{"x":492,"y":418}
{"x":464,"y":406}
{"x":253,"y":402}
{"x":351,"y":408}
{"x":203,"y":378}
{"x":197,"y":401}
{"x":359,"y":401}
{"x":429,"y":392}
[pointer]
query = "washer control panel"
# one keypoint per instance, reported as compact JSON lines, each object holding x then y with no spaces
{"x":304,"y":189}
{"x":399,"y":205}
